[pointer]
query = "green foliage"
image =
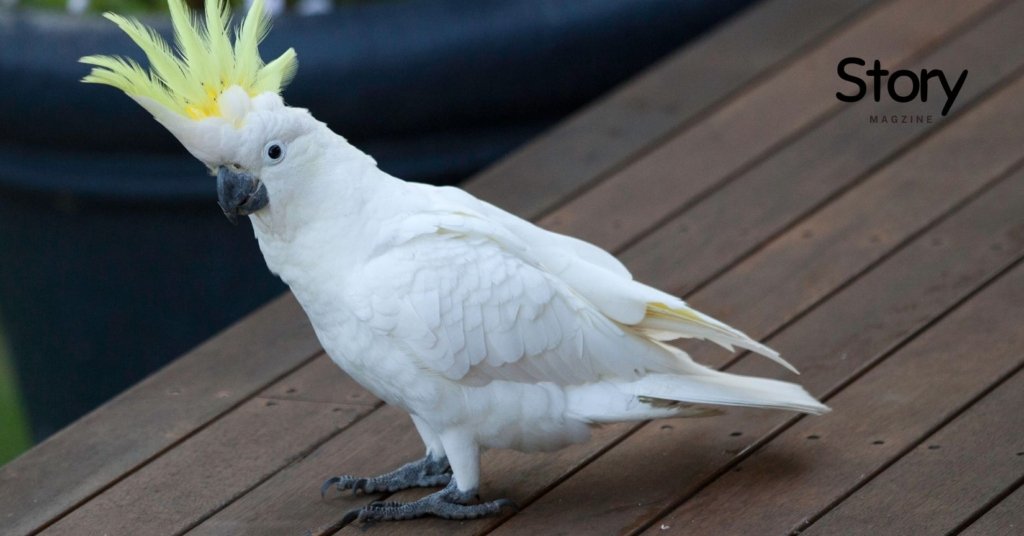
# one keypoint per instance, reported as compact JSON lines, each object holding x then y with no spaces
{"x":44,"y":4}
{"x":127,"y":7}
{"x":14,"y":436}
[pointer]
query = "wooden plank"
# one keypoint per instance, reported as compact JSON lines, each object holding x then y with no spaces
{"x":892,"y":407}
{"x":321,"y":381}
{"x":829,"y":345}
{"x":215,"y":466}
{"x":769,"y":197}
{"x":447,"y":527}
{"x":151,"y":417}
{"x":1005,"y":519}
{"x":290,"y":502}
{"x":948,"y":477}
{"x":654,"y":188}
{"x":803,"y":265}
{"x":617,"y":128}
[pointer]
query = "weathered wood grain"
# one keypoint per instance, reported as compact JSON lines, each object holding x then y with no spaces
{"x":153,"y":416}
{"x":213,"y":467}
{"x":619,"y":127}
{"x":826,"y":161}
{"x":290,"y":503}
{"x":381,"y":442}
{"x":829,"y":345}
{"x":321,"y":381}
{"x":636,"y":199}
{"x":802,"y":266}
{"x":949,"y":476}
{"x":885,"y":412}
{"x":1004,"y":519}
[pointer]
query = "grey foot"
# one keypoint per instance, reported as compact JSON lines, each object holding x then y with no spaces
{"x":423,"y":473}
{"x":449,"y":503}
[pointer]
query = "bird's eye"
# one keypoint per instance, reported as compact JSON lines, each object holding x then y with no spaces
{"x":273,"y":152}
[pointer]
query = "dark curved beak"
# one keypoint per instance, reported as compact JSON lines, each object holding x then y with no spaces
{"x":239,"y":193}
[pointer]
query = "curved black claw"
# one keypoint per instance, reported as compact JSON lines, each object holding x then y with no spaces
{"x":449,"y":503}
{"x":507,"y":502}
{"x":423,"y":473}
{"x":341,"y":483}
{"x":327,"y":485}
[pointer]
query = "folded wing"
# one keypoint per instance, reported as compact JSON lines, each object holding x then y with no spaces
{"x":467,"y":301}
{"x":605,"y":282}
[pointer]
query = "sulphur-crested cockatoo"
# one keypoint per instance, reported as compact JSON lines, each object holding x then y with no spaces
{"x":489,"y":331}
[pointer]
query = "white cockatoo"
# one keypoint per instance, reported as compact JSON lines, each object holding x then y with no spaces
{"x":489,"y":331}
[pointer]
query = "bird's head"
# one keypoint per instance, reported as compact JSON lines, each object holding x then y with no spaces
{"x":219,"y":99}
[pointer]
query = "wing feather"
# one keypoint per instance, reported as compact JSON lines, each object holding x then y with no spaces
{"x":605,"y":282}
{"x":494,"y":297}
{"x":467,"y":304}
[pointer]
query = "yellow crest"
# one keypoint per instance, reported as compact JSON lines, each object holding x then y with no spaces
{"x":191,"y":82}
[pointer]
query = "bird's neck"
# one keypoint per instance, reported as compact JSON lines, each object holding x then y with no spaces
{"x":333,"y":205}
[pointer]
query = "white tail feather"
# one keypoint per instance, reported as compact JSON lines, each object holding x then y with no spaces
{"x":615,"y":401}
{"x":720,"y":388}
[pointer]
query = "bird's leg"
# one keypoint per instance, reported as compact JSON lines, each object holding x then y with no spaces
{"x":449,"y":503}
{"x":423,"y":473}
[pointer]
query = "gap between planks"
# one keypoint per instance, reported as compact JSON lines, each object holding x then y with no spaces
{"x":1003,"y":516}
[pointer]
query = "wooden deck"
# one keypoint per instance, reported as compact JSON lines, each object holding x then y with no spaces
{"x":883,"y":260}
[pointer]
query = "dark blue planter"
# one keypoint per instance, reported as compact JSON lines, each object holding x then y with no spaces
{"x":115,"y":256}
